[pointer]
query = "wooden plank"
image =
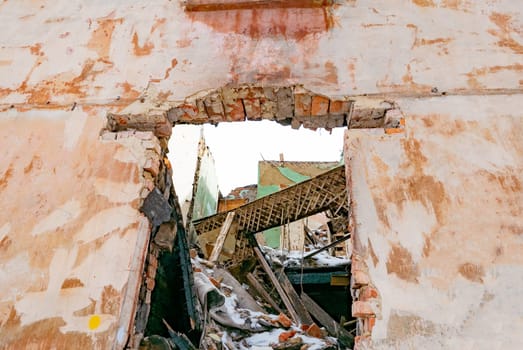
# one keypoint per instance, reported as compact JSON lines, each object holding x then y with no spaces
{"x":301,"y":310}
{"x":330,"y":245}
{"x":262,"y":292}
{"x":333,"y":327}
{"x":277,"y":285}
{"x":218,"y":245}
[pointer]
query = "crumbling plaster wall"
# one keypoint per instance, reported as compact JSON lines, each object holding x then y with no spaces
{"x":66,"y":64}
{"x":100,"y":52}
{"x":72,"y":241}
{"x":438,"y":232}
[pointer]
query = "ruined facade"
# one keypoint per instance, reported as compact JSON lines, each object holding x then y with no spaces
{"x":431,"y":92}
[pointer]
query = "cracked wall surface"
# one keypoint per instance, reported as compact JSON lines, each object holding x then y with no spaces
{"x":437,"y":226}
{"x":449,"y":72}
{"x":72,"y":239}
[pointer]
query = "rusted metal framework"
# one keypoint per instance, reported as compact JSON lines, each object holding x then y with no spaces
{"x":326,"y":191}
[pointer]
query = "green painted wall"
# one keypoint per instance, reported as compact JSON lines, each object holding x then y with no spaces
{"x":272,"y":236}
{"x":207,"y":192}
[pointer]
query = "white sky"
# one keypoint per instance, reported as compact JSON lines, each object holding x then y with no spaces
{"x":237,"y":148}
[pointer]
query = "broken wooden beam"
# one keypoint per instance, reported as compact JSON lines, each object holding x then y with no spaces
{"x":218,"y":245}
{"x":301,"y":310}
{"x":333,"y":327}
{"x":262,"y":292}
{"x":330,"y":245}
{"x":277,"y":285}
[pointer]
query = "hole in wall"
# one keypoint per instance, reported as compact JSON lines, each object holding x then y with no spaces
{"x":292,"y":106}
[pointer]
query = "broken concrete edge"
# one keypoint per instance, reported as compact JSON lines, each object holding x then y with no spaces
{"x":291,"y":105}
{"x":159,"y":232}
{"x":366,"y":305}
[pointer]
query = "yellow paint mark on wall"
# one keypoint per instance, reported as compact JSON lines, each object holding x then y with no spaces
{"x":94,"y":322}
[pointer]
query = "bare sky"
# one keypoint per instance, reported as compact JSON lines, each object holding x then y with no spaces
{"x":237,"y":148}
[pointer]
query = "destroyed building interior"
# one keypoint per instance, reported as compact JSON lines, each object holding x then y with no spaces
{"x":115,"y":233}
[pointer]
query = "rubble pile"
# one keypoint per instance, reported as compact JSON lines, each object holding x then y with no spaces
{"x":234,"y":319}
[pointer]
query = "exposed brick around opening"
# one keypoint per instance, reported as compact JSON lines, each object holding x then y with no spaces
{"x":288,"y":105}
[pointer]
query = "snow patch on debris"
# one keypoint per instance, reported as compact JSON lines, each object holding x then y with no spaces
{"x":294,"y":258}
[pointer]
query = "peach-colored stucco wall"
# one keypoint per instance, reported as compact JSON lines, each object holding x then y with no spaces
{"x":71,"y":237}
{"x":70,"y":198}
{"x":438,"y":224}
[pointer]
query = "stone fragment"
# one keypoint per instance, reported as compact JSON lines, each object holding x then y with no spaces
{"x":156,"y":208}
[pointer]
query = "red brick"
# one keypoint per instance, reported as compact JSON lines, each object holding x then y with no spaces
{"x":185,"y":112}
{"x":153,"y":261}
{"x":339,"y":107}
{"x":214,"y":108}
{"x":252,"y":108}
{"x":150,"y":283}
{"x":314,"y":331}
{"x":302,"y":105}
{"x":164,"y":129}
{"x":152,"y":165}
{"x":283,"y":337}
{"x":149,"y":184}
{"x":319,"y":105}
{"x":151,"y":271}
{"x":368,"y":324}
{"x":268,"y":108}
{"x":215,"y":282}
{"x":390,"y":131}
{"x":284,"y":321}
{"x":362,"y":309}
{"x":362,"y":342}
{"x":367,"y":293}
{"x":234,"y":110}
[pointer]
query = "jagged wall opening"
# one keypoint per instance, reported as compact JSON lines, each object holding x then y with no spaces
{"x":288,"y":105}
